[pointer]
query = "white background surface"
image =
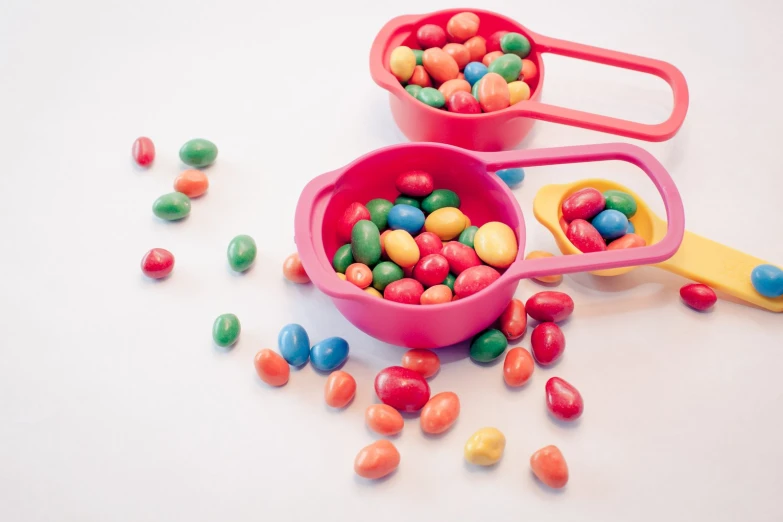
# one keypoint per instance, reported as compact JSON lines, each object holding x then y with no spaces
{"x":114,"y":404}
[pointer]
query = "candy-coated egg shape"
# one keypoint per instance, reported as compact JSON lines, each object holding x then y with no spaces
{"x":493,"y":93}
{"x":415,"y":183}
{"x":477,"y":48}
{"x":513,"y":321}
{"x":446,"y":223}
{"x":512,"y":177}
{"x":440,"y":65}
{"x":629,"y":240}
{"x":402,"y":248}
{"x":462,"y":26}
{"x":352,"y":215}
{"x":474,"y":71}
{"x":340,"y":389}
{"x":143,"y":151}
{"x":518,"y":91}
{"x":419,"y":78}
{"x":172,"y":206}
{"x":157,"y":263}
{"x":488,"y":345}
{"x":767,"y":280}
{"x":431,"y":35}
{"x":491,"y":57}
{"x":406,"y":291}
{"x":432,"y":97}
{"x":459,"y":52}
{"x":508,"y":66}
{"x":620,"y":201}
{"x":402,"y":62}
{"x":359,"y":274}
{"x":241,"y":252}
{"x":413,"y":89}
{"x":517,"y":367}
{"x":373,"y":292}
{"x":366,"y":242}
{"x":563,"y":400}
{"x":379,"y":211}
{"x":193,"y":183}
{"x":550,"y":306}
{"x":431,"y":270}
{"x":425,"y":362}
{"x":329,"y":354}
{"x":485,"y":447}
{"x":405,"y":217}
{"x":428,"y":243}
{"x":294,"y":344}
{"x":583,"y":204}
{"x":468,"y":236}
{"x":383,"y":419}
{"x":450,"y":87}
{"x":384,"y":273}
{"x":493,"y":42}
{"x":698,"y":296}
{"x":440,"y":413}
{"x":402,"y":389}
{"x":377,"y":460}
{"x":496,"y":244}
{"x":225,"y":330}
{"x":515,"y":43}
{"x":449,"y":282}
{"x":198,"y":153}
{"x":547,"y":343}
{"x":343,"y":258}
{"x":436,"y":295}
{"x":440,"y":198}
{"x":585,"y":237}
{"x":271,"y":367}
{"x":460,"y":257}
{"x":463,"y":103}
{"x":529,"y":71}
{"x":611,"y":224}
{"x":549,"y":466}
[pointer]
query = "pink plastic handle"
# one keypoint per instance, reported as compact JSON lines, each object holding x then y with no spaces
{"x":650,"y":132}
{"x":655,"y":253}
{"x":395,"y":25}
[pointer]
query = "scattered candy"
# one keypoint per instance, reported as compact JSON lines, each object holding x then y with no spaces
{"x":157,"y":263}
{"x":193,"y":183}
{"x":329,"y":354}
{"x":563,"y":400}
{"x":550,"y":306}
{"x":698,"y":296}
{"x":485,"y":447}
{"x":767,"y":280}
{"x":340,"y":389}
{"x":198,"y":153}
{"x":488,"y":345}
{"x":359,"y":274}
{"x":294,"y":271}
{"x":440,"y":413}
{"x":271,"y":367}
{"x":518,"y":367}
{"x":513,"y":321}
{"x":172,"y":206}
{"x":550,"y":467}
{"x":383,"y":419}
{"x":512,"y":177}
{"x":377,"y":460}
{"x":294,"y":344}
{"x":402,"y":389}
{"x":425,"y":362}
{"x":143,"y":151}
{"x":550,"y":279}
{"x":225,"y":330}
{"x":548,"y":343}
{"x":496,"y":244}
{"x":241,"y":253}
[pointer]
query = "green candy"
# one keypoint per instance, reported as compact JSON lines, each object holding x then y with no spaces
{"x":621,"y":201}
{"x":379,"y":211}
{"x":467,"y":235}
{"x":508,"y":66}
{"x":225,"y":330}
{"x":431,"y":97}
{"x":342,"y":259}
{"x":241,"y":253}
{"x":385,"y":273}
{"x":366,"y":243}
{"x":449,"y":281}
{"x":475,"y":89}
{"x":172,"y":206}
{"x":488,"y":345}
{"x":515,"y":43}
{"x":413,"y":90}
{"x":198,"y":153}
{"x":407,"y":200}
{"x":440,"y":198}
{"x":419,"y":54}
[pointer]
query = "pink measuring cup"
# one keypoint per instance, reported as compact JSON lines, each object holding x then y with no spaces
{"x":484,"y":198}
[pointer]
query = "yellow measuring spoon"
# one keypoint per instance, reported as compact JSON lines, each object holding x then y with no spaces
{"x":698,"y":258}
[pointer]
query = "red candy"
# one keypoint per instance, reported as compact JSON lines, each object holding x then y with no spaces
{"x":698,"y":296}
{"x":402,"y":389}
{"x":157,"y":263}
{"x":474,"y":279}
{"x":431,"y":270}
{"x":563,"y":400}
{"x":583,"y":204}
{"x":493,"y":42}
{"x":143,"y":151}
{"x":352,"y":215}
{"x":463,"y":103}
{"x":415,"y":183}
{"x":513,"y":320}
{"x":550,"y":306}
{"x":547,"y":343}
{"x":428,"y":243}
{"x":407,"y":291}
{"x":585,"y":237}
{"x":431,"y":35}
{"x":460,"y":257}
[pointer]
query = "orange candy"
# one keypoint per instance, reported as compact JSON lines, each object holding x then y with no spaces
{"x":435,"y":295}
{"x":383,"y":419}
{"x":460,"y":76}
{"x":477,"y":47}
{"x":491,"y":57}
{"x":518,"y":367}
{"x":627,"y":241}
{"x":359,"y":274}
{"x":550,"y":467}
{"x":462,"y":26}
{"x":376,"y":460}
{"x":294,"y":271}
{"x":529,"y":71}
{"x":440,"y":413}
{"x":193,"y":183}
{"x":425,"y":362}
{"x":563,"y":225}
{"x":450,"y":87}
{"x":459,"y":52}
{"x":493,"y":93}
{"x":513,"y":321}
{"x":383,"y":248}
{"x":340,"y":389}
{"x":550,"y":279}
{"x":440,"y":65}
{"x":420,"y":77}
{"x":271,"y":367}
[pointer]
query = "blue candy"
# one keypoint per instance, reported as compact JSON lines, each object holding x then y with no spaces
{"x":767,"y":280}
{"x":329,"y":354}
{"x":631,"y":229}
{"x":611,"y":224}
{"x":406,"y":217}
{"x":511,"y":177}
{"x":474,"y":71}
{"x":294,"y":344}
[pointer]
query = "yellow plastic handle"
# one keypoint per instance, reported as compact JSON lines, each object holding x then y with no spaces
{"x":721,"y":267}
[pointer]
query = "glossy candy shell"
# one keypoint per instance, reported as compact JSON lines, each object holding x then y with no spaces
{"x":157,"y":263}
{"x":403,"y":389}
{"x":698,"y":296}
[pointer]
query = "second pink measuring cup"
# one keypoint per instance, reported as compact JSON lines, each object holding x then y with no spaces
{"x":484,"y":198}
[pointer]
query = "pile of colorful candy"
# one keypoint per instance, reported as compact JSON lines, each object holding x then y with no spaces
{"x":421,"y":248}
{"x":470,"y":74}
{"x":594,"y":222}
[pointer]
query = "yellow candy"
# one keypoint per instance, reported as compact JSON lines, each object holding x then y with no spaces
{"x":446,"y":223}
{"x":341,"y":276}
{"x":519,"y":91}
{"x":402,"y":63}
{"x":551,"y":279}
{"x":401,"y":248}
{"x":496,"y":244}
{"x":485,"y":447}
{"x":373,"y":292}
{"x":467,"y":221}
